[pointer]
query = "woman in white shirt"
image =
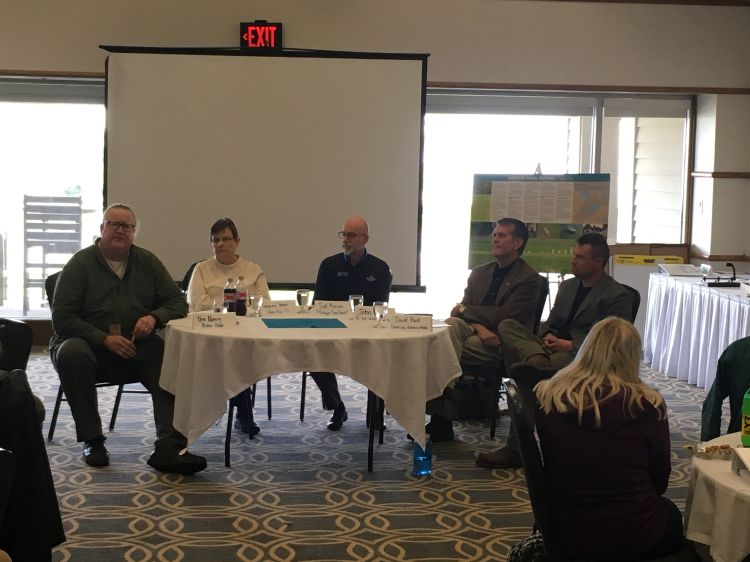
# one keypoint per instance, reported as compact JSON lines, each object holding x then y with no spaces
{"x":207,"y":285}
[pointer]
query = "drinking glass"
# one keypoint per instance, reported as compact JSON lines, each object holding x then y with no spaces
{"x":354,"y":302}
{"x":218,"y":304}
{"x":303,"y":296}
{"x":380,"y":310}
{"x":256,"y":301}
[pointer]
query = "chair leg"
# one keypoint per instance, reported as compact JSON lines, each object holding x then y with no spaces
{"x":302,"y":399}
{"x":381,"y":419}
{"x":228,"y":438}
{"x":55,"y":413}
{"x":252,"y":395}
{"x":268,"y":397}
{"x":375,"y":407}
{"x":116,"y":408}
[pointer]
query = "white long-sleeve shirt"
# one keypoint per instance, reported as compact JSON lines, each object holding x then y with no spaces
{"x":210,"y":276}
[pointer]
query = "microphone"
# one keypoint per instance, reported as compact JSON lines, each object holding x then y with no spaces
{"x":734,"y":271}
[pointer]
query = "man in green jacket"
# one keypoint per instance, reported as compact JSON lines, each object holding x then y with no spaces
{"x":109,"y":300}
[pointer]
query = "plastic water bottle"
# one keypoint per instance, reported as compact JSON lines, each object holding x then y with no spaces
{"x":240,"y":297}
{"x":745,"y":435}
{"x":423,"y":459}
{"x":229,"y":294}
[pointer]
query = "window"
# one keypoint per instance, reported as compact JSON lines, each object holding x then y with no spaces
{"x":52,"y":146}
{"x":644,"y":148}
{"x":641,"y":141}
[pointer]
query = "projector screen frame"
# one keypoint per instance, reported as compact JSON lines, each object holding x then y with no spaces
{"x":308,"y":53}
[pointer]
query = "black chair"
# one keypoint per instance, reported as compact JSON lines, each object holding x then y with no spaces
{"x":635,"y":296}
{"x":522,"y":405}
{"x":16,"y":338}
{"x":7,"y":473}
{"x":540,"y":304}
{"x":49,"y":287}
{"x":230,"y":418}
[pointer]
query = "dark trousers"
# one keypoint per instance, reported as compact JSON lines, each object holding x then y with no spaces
{"x":244,"y":406}
{"x":673,"y":537}
{"x":329,"y":389}
{"x":80,"y":366}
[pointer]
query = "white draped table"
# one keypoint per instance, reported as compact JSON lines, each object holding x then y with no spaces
{"x":203,"y":368}
{"x":717,"y":511}
{"x":688,"y":325}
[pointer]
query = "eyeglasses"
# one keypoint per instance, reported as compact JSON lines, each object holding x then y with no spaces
{"x":217,"y":240}
{"x":349,"y":235}
{"x":115,"y":225}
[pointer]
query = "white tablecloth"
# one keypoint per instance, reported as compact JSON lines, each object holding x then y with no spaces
{"x":688,"y":325}
{"x":717,"y":512}
{"x":203,"y":368}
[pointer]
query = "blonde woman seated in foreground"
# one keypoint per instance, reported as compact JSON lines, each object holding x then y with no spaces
{"x":605,"y":442}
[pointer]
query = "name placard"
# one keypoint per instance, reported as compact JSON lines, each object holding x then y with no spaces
{"x":214,"y":320}
{"x":412,"y":322}
{"x":279,"y":307}
{"x":364,"y":313}
{"x":332,"y":308}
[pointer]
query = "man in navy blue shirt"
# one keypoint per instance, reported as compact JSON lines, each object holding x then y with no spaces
{"x":352,"y":272}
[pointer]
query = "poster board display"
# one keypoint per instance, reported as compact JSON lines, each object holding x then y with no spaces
{"x":556,"y":208}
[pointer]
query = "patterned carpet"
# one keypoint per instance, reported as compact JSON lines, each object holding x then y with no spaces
{"x":299,"y":492}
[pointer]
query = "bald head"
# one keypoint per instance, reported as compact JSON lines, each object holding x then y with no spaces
{"x":354,"y":236}
{"x":356,"y":224}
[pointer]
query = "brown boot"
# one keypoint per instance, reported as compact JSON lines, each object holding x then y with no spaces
{"x":501,"y":458}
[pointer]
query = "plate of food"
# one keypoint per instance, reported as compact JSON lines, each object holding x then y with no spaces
{"x":723,"y":452}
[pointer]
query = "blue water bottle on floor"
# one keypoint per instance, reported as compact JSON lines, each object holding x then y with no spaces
{"x":423,"y":459}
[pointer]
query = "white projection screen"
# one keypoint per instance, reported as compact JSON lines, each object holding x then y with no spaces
{"x":287,"y":146}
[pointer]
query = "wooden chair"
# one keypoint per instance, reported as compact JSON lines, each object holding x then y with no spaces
{"x":52,"y":233}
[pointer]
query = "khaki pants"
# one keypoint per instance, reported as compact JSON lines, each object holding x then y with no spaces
{"x":469,"y":347}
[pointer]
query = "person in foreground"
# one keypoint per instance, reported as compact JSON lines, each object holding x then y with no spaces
{"x":353,"y":272}
{"x":207,"y":284}
{"x":580,"y":303}
{"x":505,"y":288}
{"x":605,"y":443}
{"x":109,"y":300}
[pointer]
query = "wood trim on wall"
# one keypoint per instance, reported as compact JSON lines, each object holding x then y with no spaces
{"x":718,"y":257}
{"x":50,"y":74}
{"x":589,"y":88}
{"x":722,"y":175}
{"x":688,"y":2}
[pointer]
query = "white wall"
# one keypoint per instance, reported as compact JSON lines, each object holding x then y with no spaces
{"x":488,"y":41}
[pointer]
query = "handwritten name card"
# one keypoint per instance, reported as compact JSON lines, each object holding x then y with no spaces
{"x":412,"y":322}
{"x":364,"y":313}
{"x":333,"y":308}
{"x":214,"y":320}
{"x":279,"y":307}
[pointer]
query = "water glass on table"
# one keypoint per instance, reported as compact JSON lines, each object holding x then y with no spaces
{"x":380,"y":310}
{"x":354,"y":302}
{"x":303,"y":297}
{"x":256,"y":302}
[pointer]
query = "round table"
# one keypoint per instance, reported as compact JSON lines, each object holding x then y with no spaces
{"x":717,"y":512}
{"x":203,"y":367}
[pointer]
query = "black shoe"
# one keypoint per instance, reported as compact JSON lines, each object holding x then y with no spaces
{"x":95,"y":453}
{"x":247,"y":426}
{"x":338,"y":418}
{"x":439,"y":429}
{"x":185,"y":463}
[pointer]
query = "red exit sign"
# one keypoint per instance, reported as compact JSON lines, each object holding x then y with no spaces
{"x":260,"y":35}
